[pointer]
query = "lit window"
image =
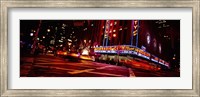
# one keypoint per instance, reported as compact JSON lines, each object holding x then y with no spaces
{"x":148,"y":38}
{"x":31,"y":34}
{"x":48,"y":30}
{"x":160,"y":48}
{"x":115,"y":23}
{"x":114,"y":35}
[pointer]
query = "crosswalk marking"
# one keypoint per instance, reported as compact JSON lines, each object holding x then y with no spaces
{"x":87,"y":70}
{"x":81,"y":71}
{"x":82,"y":67}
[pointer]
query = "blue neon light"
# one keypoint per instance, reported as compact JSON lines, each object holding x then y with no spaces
{"x":162,"y":62}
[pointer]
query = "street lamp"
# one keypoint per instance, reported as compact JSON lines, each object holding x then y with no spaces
{"x":69,"y":44}
{"x":48,"y":30}
{"x":84,"y":41}
{"x":31,"y":34}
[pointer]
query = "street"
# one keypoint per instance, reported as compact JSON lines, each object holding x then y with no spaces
{"x":100,"y":48}
{"x":51,"y":66}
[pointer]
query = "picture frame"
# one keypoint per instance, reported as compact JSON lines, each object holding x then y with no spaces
{"x":6,"y":4}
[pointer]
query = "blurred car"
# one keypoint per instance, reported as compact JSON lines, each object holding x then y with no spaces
{"x":62,"y":53}
{"x":142,"y":64}
{"x":87,"y":57}
{"x":49,"y":52}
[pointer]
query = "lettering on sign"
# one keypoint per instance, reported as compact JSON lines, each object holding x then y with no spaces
{"x":130,"y":50}
{"x":155,"y":59}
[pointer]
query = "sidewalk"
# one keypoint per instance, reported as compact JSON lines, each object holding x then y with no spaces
{"x":26,"y":65}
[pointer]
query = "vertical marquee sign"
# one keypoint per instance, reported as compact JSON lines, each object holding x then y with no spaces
{"x":106,"y":32}
{"x":135,"y":26}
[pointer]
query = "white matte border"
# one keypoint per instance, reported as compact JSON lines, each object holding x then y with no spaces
{"x":183,"y":82}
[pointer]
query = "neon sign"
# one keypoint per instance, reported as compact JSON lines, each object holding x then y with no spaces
{"x":135,"y":27}
{"x":161,"y":61}
{"x":132,"y":50}
{"x":154,"y":58}
{"x":143,"y":54}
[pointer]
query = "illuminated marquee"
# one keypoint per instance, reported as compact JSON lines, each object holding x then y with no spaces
{"x":143,"y":54}
{"x":166,"y":64}
{"x":154,"y":59}
{"x":126,"y":49}
{"x":161,"y":61}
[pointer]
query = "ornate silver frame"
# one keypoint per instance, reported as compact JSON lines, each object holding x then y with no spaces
{"x":6,"y":4}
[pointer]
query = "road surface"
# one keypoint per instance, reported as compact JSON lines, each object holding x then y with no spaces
{"x":51,"y":66}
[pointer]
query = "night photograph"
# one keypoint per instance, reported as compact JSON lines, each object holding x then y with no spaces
{"x":99,"y":48}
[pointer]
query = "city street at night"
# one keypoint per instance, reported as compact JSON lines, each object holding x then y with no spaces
{"x":99,"y":48}
{"x":51,"y":66}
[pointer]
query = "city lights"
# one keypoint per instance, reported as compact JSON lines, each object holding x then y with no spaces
{"x":85,"y":52}
{"x":160,"y":48}
{"x":115,"y":23}
{"x":48,"y":30}
{"x":114,"y":35}
{"x":148,"y":39}
{"x":69,"y":43}
{"x":60,"y":40}
{"x":31,"y":34}
{"x":69,"y":40}
{"x":138,"y":45}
